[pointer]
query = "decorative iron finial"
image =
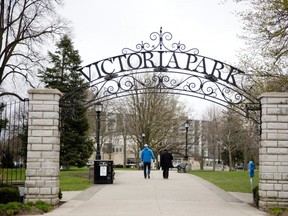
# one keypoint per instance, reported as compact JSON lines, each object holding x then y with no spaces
{"x":160,"y":41}
{"x":161,"y":38}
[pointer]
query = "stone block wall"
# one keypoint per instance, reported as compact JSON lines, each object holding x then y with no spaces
{"x":43,"y":150}
{"x":273,"y":152}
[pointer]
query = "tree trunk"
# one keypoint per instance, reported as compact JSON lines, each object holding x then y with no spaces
{"x":202,"y":159}
{"x":124,"y":150}
{"x":230,"y":160}
{"x":214,"y":162}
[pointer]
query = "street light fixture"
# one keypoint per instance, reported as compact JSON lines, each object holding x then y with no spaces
{"x":98,"y":109}
{"x":186,"y":125}
{"x":143,"y":137}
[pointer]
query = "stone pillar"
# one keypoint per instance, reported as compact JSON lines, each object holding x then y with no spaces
{"x":43,"y":150}
{"x":273,"y":152}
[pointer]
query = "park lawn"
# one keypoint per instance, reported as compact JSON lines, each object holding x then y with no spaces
{"x":75,"y":179}
{"x":230,"y":181}
{"x":12,"y":174}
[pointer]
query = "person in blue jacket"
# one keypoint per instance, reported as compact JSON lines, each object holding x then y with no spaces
{"x":146,"y":156}
{"x":251,"y":168}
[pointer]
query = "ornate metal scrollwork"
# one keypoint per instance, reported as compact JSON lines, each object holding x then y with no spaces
{"x":161,"y":40}
{"x":168,"y":67}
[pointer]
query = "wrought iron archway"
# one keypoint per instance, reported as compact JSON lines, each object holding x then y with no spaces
{"x":173,"y":69}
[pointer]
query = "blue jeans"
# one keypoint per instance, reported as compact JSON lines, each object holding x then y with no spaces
{"x":146,"y":165}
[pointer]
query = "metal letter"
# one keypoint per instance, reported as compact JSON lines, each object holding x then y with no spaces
{"x":102,"y":66}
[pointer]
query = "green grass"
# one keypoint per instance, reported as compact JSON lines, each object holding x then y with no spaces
{"x":233,"y":181}
{"x":12,"y":174}
{"x":74,"y":179}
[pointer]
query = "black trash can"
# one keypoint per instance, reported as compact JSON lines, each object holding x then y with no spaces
{"x":103,"y":172}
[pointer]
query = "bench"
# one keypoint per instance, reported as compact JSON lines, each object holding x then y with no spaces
{"x":181,"y":168}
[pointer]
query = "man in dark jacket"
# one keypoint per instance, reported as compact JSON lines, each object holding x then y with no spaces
{"x":166,"y":163}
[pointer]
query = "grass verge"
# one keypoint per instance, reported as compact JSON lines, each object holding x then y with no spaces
{"x":75,"y":179}
{"x":233,"y":181}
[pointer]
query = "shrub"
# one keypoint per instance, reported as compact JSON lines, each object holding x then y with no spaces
{"x":30,"y":203}
{"x":256,"y":196}
{"x":275,"y":211}
{"x":9,"y":194}
{"x":13,"y":208}
{"x":45,"y":207}
{"x":27,"y":207}
{"x":2,"y":206}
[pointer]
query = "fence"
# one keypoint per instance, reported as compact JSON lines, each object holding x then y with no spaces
{"x":13,"y":141}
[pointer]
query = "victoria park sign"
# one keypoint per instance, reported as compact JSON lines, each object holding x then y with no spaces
{"x":170,"y":60}
{"x":171,"y":67}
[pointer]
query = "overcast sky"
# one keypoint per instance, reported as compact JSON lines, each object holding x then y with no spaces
{"x":101,"y":29}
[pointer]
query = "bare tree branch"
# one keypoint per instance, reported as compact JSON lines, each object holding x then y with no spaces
{"x":25,"y":27}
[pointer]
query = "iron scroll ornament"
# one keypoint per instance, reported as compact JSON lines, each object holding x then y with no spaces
{"x":160,"y":38}
{"x":168,"y":67}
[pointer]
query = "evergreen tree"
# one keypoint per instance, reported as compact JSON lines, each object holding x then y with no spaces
{"x":3,"y":122}
{"x":76,"y":146}
{"x":6,"y":157}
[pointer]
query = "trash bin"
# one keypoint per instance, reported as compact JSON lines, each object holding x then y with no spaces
{"x":103,"y":172}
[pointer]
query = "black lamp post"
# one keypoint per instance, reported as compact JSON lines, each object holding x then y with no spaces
{"x":143,"y":137}
{"x":186,"y":125}
{"x":98,"y":109}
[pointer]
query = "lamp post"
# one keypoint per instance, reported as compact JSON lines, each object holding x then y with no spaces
{"x":186,"y":125}
{"x":143,"y":137}
{"x":98,"y":109}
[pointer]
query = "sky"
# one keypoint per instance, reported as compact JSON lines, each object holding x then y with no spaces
{"x":101,"y":29}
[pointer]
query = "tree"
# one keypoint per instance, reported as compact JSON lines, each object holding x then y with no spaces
{"x":122,"y":126}
{"x":6,"y":156}
{"x":265,"y":33}
{"x":76,"y":146}
{"x":265,"y":21}
{"x":212,"y":133}
{"x":197,"y":144}
{"x":3,"y":122}
{"x":24,"y":27}
{"x":156,"y":114}
{"x":232,"y":136}
{"x":250,"y":142}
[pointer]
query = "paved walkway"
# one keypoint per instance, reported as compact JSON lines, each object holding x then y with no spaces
{"x":180,"y":195}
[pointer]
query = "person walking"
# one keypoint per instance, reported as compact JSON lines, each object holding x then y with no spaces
{"x":146,"y":156}
{"x":166,"y":163}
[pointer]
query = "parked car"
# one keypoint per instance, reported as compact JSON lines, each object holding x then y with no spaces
{"x":239,"y":167}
